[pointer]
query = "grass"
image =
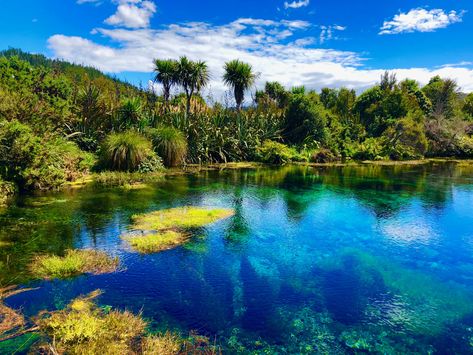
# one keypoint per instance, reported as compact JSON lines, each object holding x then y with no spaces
{"x":84,"y":328}
{"x":181,"y":218}
{"x":171,"y":227}
{"x":74,"y":262}
{"x":120,"y":178}
{"x":157,"y":242}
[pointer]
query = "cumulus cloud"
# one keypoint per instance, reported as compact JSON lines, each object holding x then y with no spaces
{"x":132,"y":13}
{"x":296,"y":4}
{"x":278,"y":50}
{"x":420,"y":20}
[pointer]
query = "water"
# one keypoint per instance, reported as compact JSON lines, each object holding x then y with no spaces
{"x":328,"y":259}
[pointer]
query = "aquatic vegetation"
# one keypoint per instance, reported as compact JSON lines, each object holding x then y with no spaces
{"x":85,"y":328}
{"x":179,"y":218}
{"x":154,"y":243}
{"x":171,"y":227}
{"x":74,"y":262}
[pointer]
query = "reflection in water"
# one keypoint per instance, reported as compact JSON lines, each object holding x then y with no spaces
{"x":315,"y":259}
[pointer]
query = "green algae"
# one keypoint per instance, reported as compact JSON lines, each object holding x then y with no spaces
{"x":73,"y":263}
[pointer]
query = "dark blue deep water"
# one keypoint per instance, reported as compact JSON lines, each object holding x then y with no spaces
{"x":315,"y":260}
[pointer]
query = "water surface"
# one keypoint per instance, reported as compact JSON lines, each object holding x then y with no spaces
{"x":316,"y":259}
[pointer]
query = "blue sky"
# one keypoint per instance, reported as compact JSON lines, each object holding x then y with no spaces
{"x":300,"y":42}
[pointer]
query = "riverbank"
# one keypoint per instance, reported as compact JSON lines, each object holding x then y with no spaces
{"x":136,"y":180}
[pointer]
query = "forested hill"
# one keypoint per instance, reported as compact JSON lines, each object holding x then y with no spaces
{"x":79,"y":74}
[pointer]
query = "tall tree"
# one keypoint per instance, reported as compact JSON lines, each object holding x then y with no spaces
{"x":240,"y":77}
{"x":166,"y":75}
{"x":192,"y":76}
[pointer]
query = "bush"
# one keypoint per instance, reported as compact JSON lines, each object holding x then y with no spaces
{"x":323,"y":156}
{"x":170,"y":144}
{"x":276,"y":153}
{"x":305,"y":119}
{"x":370,"y":149}
{"x":125,"y":151}
{"x":35,"y":162}
{"x":7,"y":190}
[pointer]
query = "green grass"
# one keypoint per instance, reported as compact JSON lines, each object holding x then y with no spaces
{"x":74,"y":262}
{"x":157,"y":242}
{"x":171,"y":227}
{"x":179,"y":218}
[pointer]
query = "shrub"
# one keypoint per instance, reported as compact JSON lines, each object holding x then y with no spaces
{"x":305,"y":119}
{"x":276,"y":153}
{"x":125,"y":151}
{"x":170,"y":144}
{"x":151,"y":164}
{"x":370,"y":149}
{"x":35,"y":162}
{"x":7,"y":190}
{"x":323,"y":156}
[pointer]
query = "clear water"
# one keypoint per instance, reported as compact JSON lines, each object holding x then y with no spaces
{"x":334,"y":260}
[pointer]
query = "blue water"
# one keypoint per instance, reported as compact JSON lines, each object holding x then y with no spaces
{"x":315,"y":260}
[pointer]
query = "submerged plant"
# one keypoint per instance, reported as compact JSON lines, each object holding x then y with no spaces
{"x":74,"y":262}
{"x":84,"y":328}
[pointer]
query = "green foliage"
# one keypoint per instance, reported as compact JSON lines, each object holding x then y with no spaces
{"x":39,"y":162}
{"x":125,"y":151}
{"x":370,"y":149}
{"x":166,"y":75}
{"x":240,"y":77}
{"x":276,"y":153}
{"x":7,"y":190}
{"x":169,"y":143}
{"x":468,"y":106}
{"x":305,"y":119}
{"x":74,"y":262}
{"x":193,"y":77}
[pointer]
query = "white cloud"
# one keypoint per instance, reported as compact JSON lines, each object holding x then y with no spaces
{"x":327,"y":33}
{"x":420,"y":20}
{"x":265,"y":44}
{"x":132,"y":13}
{"x":296,"y":4}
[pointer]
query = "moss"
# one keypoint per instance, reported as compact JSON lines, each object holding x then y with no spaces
{"x":157,"y":242}
{"x":182,"y":218}
{"x":74,"y":262}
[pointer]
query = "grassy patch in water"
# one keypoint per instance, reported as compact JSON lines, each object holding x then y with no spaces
{"x":171,"y":227}
{"x":181,"y":218}
{"x":154,"y":243}
{"x":84,"y":328}
{"x":74,"y":262}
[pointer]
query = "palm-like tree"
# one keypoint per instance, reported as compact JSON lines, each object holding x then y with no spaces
{"x":193,"y":77}
{"x":166,"y":74}
{"x":240,"y":77}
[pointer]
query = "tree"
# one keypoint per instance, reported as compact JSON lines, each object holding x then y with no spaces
{"x":468,"y":106}
{"x":192,"y":76}
{"x":304,"y":118}
{"x":240,"y":77}
{"x":166,"y":75}
{"x":443,"y":93}
{"x":277,"y":93}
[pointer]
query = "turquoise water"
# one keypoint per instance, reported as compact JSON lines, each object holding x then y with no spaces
{"x":316,"y":259}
